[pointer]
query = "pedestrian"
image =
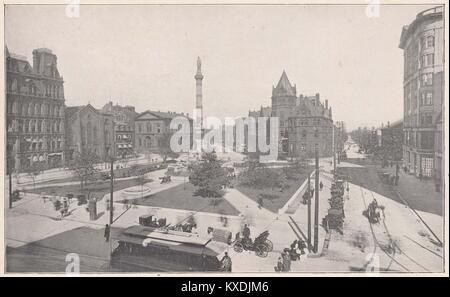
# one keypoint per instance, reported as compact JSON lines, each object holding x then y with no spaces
{"x":321,"y":185}
{"x":312,"y":192}
{"x":301,"y":246}
{"x":294,"y":244}
{"x":286,"y":260}
{"x":107,"y":232}
{"x":246,"y":232}
{"x":279,"y":267}
{"x":226,"y":263}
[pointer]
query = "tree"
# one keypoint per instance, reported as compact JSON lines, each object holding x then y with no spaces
{"x":209,"y":176}
{"x":84,"y":167}
{"x":164,"y":147}
{"x":35,"y":169}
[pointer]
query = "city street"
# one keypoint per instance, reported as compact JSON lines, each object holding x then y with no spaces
{"x":33,"y":249}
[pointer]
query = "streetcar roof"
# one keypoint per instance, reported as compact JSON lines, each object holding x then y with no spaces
{"x":166,"y":235}
{"x":213,"y":249}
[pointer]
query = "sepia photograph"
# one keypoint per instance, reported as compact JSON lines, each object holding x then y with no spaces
{"x":214,"y":138}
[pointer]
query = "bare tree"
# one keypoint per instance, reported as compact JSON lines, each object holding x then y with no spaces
{"x":33,"y":172}
{"x":84,"y":167}
{"x":164,"y":147}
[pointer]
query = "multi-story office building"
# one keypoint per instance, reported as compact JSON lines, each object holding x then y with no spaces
{"x":422,"y":42}
{"x":35,"y":111}
{"x":123,"y":128}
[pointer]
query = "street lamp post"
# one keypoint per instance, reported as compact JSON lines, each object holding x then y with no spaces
{"x":111,"y":201}
{"x":316,"y":204}
{"x":10,"y":169}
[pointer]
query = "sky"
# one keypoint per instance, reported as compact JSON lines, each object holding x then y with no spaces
{"x":145,"y":55}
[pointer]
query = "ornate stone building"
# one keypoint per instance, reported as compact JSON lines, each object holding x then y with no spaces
{"x":422,"y":42}
{"x":35,"y":111}
{"x":304,"y":121}
{"x":310,"y":125}
{"x":124,"y":137}
{"x":89,"y":130}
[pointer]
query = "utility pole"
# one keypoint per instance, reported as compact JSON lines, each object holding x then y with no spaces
{"x":339,"y":149}
{"x":111,"y":202}
{"x":309,"y":212}
{"x":316,"y":206}
{"x":10,"y":187}
{"x":9,"y":167}
{"x":334,"y":152}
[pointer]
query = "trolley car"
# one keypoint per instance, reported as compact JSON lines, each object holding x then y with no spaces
{"x":142,"y":248}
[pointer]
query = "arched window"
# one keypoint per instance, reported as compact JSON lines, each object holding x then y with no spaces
{"x":32,"y":126}
{"x":61,"y":129}
{"x":95,"y":130}
{"x":89,"y":133}
{"x":14,"y":86}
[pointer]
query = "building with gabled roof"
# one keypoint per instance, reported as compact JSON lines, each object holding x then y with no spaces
{"x":152,"y":130}
{"x":89,"y":130}
{"x":304,"y":121}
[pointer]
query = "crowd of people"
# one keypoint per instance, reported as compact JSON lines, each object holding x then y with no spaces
{"x":288,"y":255}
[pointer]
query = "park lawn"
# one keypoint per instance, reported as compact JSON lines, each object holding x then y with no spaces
{"x":96,"y":189}
{"x":182,"y":197}
{"x":280,"y":198}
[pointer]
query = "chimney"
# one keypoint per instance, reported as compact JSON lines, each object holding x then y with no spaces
{"x":388,"y":124}
{"x":326,"y":104}
{"x":35,"y":61}
{"x":317,"y":99}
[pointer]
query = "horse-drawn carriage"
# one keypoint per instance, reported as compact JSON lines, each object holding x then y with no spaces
{"x":165,"y":179}
{"x":373,"y":212}
{"x":261,"y":245}
{"x":150,"y":221}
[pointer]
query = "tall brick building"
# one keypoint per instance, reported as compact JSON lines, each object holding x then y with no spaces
{"x":35,"y":111}
{"x":422,"y":42}
{"x":310,"y":125}
{"x":124,"y":137}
